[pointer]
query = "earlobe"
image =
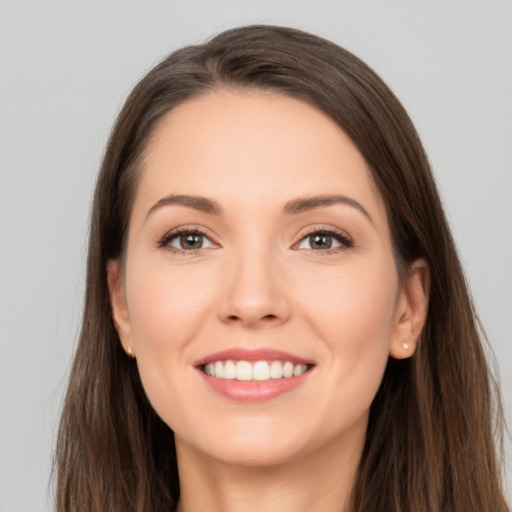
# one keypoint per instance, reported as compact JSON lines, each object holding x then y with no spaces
{"x":412,"y":309}
{"x":119,"y":307}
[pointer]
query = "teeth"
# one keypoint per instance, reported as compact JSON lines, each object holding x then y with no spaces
{"x":219,"y":369}
{"x":257,"y":371}
{"x":229,"y":370}
{"x":276,"y":370}
{"x":287,"y":370}
{"x":297,"y":370}
{"x":261,"y":371}
{"x":243,"y":371}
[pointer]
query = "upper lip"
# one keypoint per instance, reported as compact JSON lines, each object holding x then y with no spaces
{"x":245,"y":354}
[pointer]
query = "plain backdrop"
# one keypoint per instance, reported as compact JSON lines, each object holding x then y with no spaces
{"x":65,"y":69}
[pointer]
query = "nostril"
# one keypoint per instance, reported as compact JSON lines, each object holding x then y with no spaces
{"x":237,"y":318}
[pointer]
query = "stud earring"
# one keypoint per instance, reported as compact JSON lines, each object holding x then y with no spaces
{"x":130,"y":353}
{"x":405,"y":346}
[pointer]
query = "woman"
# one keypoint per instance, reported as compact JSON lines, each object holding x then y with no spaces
{"x":275,"y":316}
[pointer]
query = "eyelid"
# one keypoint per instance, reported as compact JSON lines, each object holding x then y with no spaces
{"x":344,"y":240}
{"x":341,"y":236}
{"x":164,"y":241}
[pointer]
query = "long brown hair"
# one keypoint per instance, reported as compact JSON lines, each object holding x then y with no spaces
{"x":435,"y":422}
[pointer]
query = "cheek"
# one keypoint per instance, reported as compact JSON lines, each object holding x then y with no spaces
{"x":167,"y":310}
{"x":352,"y":311}
{"x":166,"y":304}
{"x":356,"y":303}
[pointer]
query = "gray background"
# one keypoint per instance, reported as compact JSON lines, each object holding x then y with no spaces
{"x":66,"y":67}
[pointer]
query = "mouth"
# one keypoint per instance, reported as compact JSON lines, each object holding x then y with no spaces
{"x":259,"y":371}
{"x":253,"y":375}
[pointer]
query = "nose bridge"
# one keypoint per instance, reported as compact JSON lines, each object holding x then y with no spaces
{"x":254,"y":293}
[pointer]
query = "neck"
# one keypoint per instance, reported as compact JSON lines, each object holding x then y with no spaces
{"x":322,"y":481}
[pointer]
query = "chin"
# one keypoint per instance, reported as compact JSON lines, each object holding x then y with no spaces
{"x":250,"y":442}
{"x":253,"y":455}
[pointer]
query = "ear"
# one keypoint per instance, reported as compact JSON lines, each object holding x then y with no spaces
{"x":411,"y":312}
{"x":118,"y":305}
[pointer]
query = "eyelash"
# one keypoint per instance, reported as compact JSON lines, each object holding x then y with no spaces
{"x":345,"y":241}
{"x":341,"y":237}
{"x":164,"y":242}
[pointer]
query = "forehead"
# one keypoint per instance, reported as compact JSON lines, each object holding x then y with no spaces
{"x":245,"y":147}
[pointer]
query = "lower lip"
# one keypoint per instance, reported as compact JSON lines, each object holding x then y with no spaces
{"x":253,"y":391}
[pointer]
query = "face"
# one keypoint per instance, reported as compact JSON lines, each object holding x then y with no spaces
{"x":259,"y":247}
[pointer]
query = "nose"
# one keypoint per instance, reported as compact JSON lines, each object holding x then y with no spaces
{"x":254,"y":295}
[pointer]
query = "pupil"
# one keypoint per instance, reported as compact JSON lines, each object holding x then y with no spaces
{"x":321,"y":241}
{"x":191,"y":241}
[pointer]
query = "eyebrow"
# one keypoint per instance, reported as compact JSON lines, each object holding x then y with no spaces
{"x":293,"y":207}
{"x":201,"y":204}
{"x":303,"y":204}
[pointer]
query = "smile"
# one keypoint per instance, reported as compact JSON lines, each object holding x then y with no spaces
{"x":254,"y":371}
{"x":253,"y":375}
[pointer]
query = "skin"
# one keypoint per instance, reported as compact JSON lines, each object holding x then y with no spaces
{"x":258,"y":282}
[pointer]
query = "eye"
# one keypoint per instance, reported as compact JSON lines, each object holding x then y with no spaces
{"x":186,"y":241}
{"x":325,"y":241}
